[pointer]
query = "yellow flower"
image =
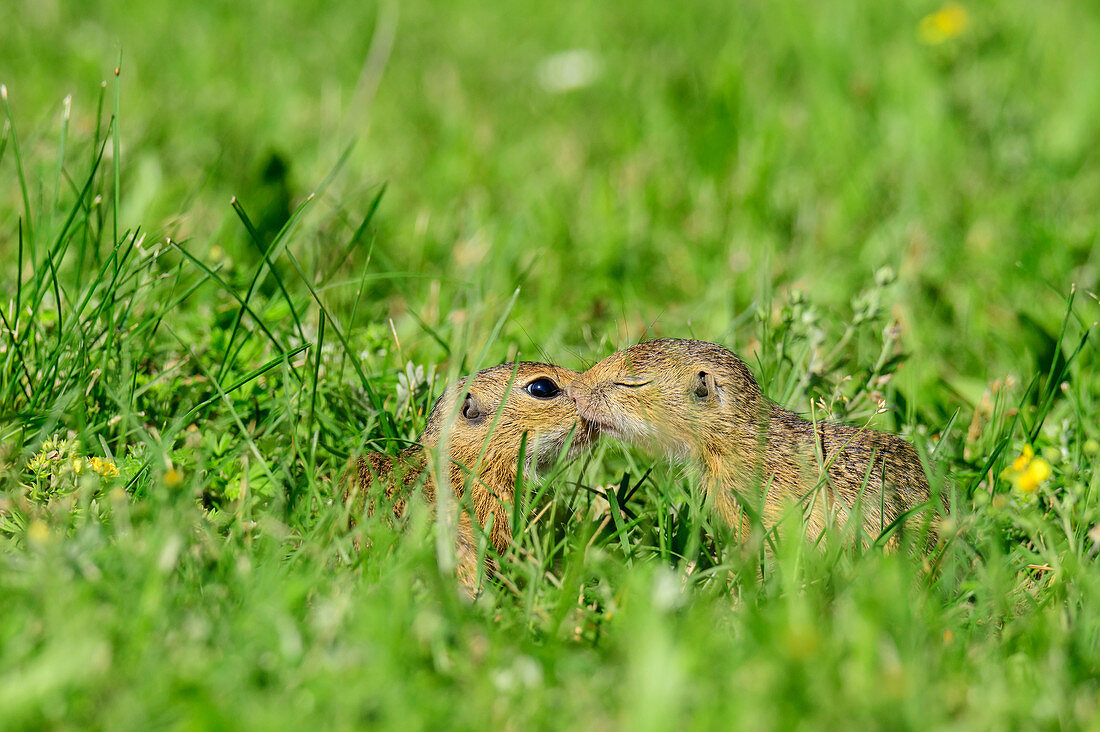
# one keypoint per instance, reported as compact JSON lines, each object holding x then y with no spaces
{"x":943,"y":25}
{"x":1027,"y":472}
{"x":173,"y":477}
{"x":106,"y":468}
{"x":1026,"y":456}
{"x":38,"y":532}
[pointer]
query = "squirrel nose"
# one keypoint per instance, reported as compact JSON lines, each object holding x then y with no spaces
{"x":578,"y":397}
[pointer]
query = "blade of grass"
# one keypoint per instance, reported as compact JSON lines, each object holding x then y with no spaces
{"x":519,"y":494}
{"x":257,"y":240}
{"x":1054,"y":384}
{"x":17,"y":354}
{"x":619,"y":519}
{"x":212,"y":274}
{"x":357,"y":236}
{"x":20,"y":175}
{"x":4,"y":133}
{"x":316,"y":376}
{"x":223,"y":395}
{"x":67,"y":109}
{"x":117,"y":162}
{"x":86,"y":230}
{"x":278,"y":245}
{"x":251,"y":376}
{"x":374,"y":400}
{"x":37,"y":292}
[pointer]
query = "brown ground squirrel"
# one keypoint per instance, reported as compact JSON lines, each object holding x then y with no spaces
{"x":488,"y":414}
{"x":697,"y":400}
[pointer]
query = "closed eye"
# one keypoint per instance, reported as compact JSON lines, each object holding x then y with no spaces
{"x":633,"y":383}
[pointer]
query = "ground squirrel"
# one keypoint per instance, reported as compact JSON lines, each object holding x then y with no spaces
{"x":488,"y":415}
{"x":697,"y":400}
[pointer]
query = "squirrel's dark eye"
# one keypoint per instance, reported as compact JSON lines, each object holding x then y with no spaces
{"x":543,"y":388}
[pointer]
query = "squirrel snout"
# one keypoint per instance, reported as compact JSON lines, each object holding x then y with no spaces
{"x":578,"y":397}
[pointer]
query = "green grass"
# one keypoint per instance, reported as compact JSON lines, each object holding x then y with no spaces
{"x":860,"y":215}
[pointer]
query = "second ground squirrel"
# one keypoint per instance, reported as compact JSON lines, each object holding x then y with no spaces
{"x":698,"y":401}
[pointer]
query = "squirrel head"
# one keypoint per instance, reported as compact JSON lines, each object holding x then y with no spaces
{"x":484,"y":417}
{"x":681,"y":396}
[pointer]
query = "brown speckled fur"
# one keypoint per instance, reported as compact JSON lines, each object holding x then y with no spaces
{"x":547,"y":423}
{"x":697,"y":401}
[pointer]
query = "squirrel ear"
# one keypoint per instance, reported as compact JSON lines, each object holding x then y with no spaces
{"x":471,"y":410}
{"x":703,"y":383}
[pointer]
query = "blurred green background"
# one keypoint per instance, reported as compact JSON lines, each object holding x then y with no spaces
{"x":866,"y":200}
{"x":713,"y":150}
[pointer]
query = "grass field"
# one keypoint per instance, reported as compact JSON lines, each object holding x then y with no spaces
{"x":272,"y":235}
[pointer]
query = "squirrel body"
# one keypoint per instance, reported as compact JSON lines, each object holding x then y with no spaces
{"x":477,"y":428}
{"x":697,"y":401}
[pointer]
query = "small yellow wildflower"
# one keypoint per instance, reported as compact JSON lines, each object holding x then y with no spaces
{"x":173,"y":477}
{"x":1027,"y":472}
{"x":802,"y":640}
{"x":104,"y":467}
{"x":38,"y":532}
{"x":943,"y":25}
